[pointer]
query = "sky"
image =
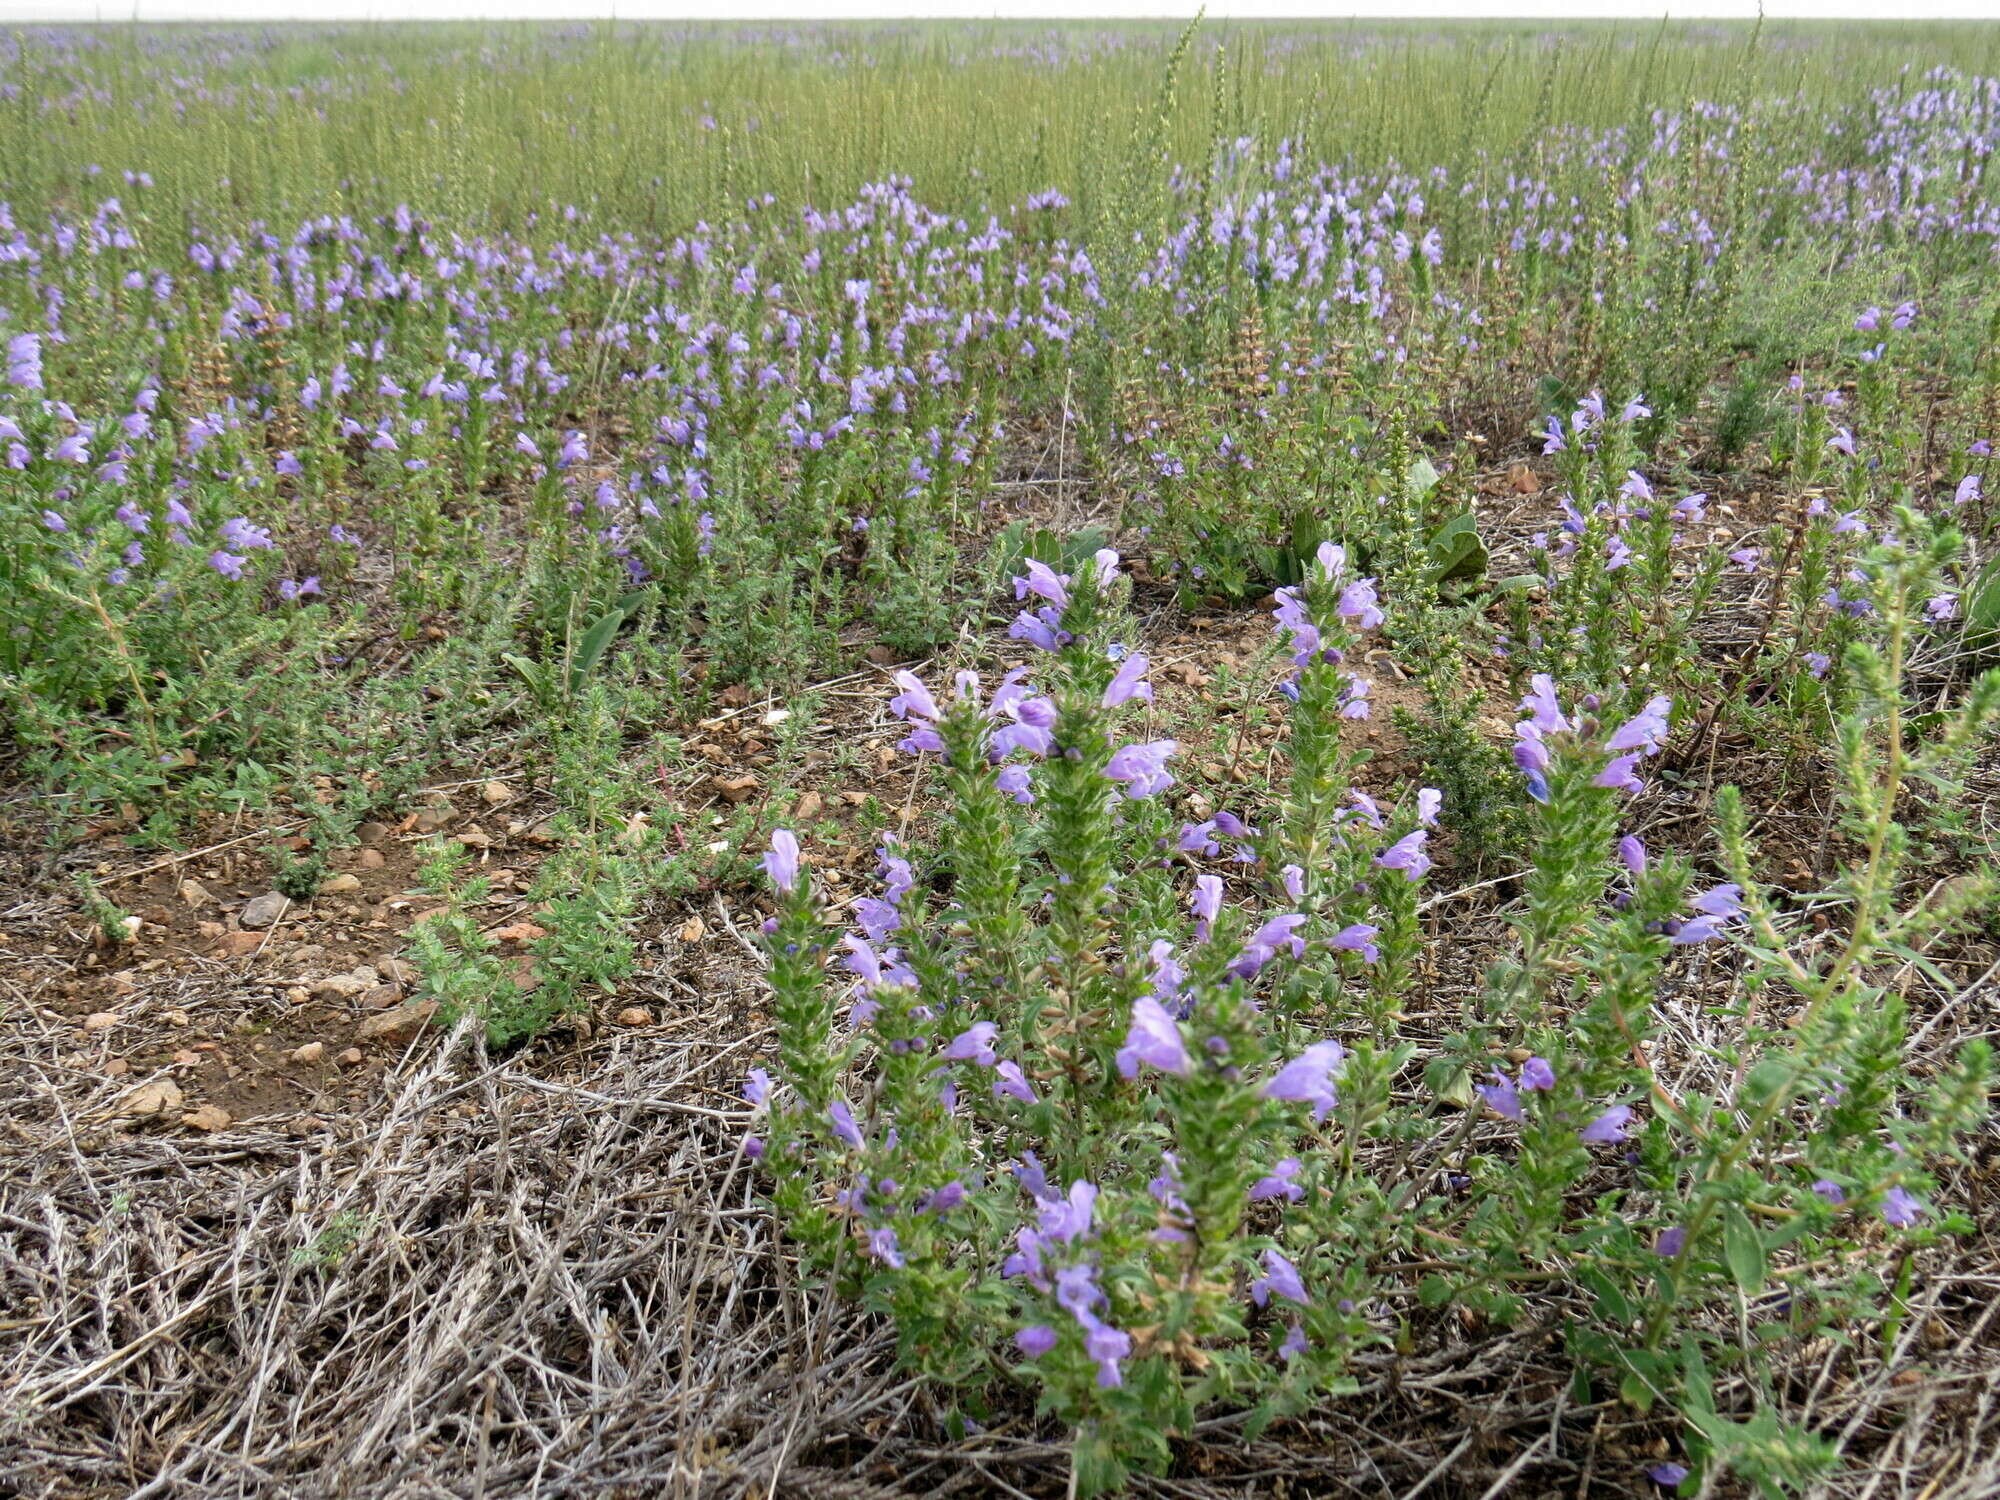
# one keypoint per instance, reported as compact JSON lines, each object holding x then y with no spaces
{"x":360,"y":10}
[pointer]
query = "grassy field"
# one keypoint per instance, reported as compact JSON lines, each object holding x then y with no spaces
{"x":848,"y":761}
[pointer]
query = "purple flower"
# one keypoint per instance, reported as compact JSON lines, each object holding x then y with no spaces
{"x":1307,"y":1078}
{"x":228,"y":564}
{"x":1817,"y":663}
{"x":1620,"y":775}
{"x":1501,"y":1096}
{"x":1720,"y":901}
{"x":1008,"y":1082}
{"x":73,"y":449}
{"x":1429,"y":800}
{"x":1268,"y":941}
{"x":1667,"y":1476}
{"x":55,"y":522}
{"x":975,"y":1044}
{"x":1014,"y":782}
{"x":1107,"y":1345}
{"x":1407,"y":854}
{"x":757,"y":1087}
{"x":1154,"y":1038}
{"x":1358,"y":603}
{"x":1358,"y":937}
{"x":1842,"y":441}
{"x":1278,"y":1183}
{"x":1608,"y":1128}
{"x":1670,"y":1242}
{"x":1129,"y":683}
{"x":1531,"y":758}
{"x":1700,"y":929}
{"x":1280,"y":1276}
{"x":1295,"y":1342}
{"x":1142,"y":767}
{"x":915,"y":699}
{"x":781,"y":862}
{"x":1541,"y":707}
{"x":1632,"y":854}
{"x":1900,"y":1208}
{"x":1035,"y":1340}
{"x":1646,"y":731}
{"x":1206,"y":902}
{"x":882,"y":1245}
{"x":1941,"y":607}
{"x":1968,"y":490}
{"x":1045,"y":582}
{"x":1064,"y":1220}
{"x":1537,"y":1076}
{"x":843,"y":1123}
{"x":1829,"y":1191}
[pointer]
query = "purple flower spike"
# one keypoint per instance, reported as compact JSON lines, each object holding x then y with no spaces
{"x":1646,"y":731}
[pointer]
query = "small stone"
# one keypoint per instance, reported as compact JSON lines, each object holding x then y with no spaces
{"x":241,"y":944}
{"x":351,"y":1057}
{"x":298,"y":994}
{"x":210,"y":1117}
{"x":382,"y":996}
{"x":364,"y":975}
{"x":117,"y":1068}
{"x":635,"y":1015}
{"x":809,"y":807}
{"x":427,"y":819}
{"x":194,"y":893}
{"x":102,"y":1020}
{"x":692,"y":930}
{"x":394,"y":970}
{"x":371,"y":833}
{"x":494,"y":793}
{"x":399,"y":1024}
{"x":311,"y":1052}
{"x":262,"y":911}
{"x":175,"y":1018}
{"x":156,"y":1097}
{"x":371,"y":859}
{"x":340,"y":885}
{"x":518,"y":932}
{"x":338,"y":987}
{"x":474,"y":838}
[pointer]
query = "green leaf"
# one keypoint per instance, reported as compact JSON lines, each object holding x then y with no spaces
{"x":1743,"y":1250}
{"x":598,"y":638}
{"x":1456,"y":550}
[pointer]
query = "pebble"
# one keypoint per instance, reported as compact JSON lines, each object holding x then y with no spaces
{"x":635,"y":1015}
{"x":210,"y":1117}
{"x":102,"y":1020}
{"x":262,"y":911}
{"x":351,"y":1057}
{"x":399,"y":1024}
{"x":340,"y":885}
{"x":311,"y":1052}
